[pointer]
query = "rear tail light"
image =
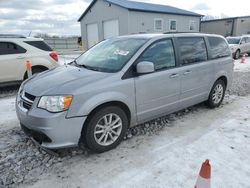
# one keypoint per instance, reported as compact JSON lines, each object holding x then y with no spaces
{"x":54,"y":55}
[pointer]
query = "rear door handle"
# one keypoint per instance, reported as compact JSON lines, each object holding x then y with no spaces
{"x":187,"y":72}
{"x":20,"y":57}
{"x":174,"y":75}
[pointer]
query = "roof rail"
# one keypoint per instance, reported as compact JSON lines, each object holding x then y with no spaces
{"x":176,"y":32}
{"x":11,"y":36}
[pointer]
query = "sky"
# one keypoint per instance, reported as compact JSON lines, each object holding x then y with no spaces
{"x":59,"y":17}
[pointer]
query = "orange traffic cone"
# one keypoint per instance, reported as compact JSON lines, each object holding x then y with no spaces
{"x":28,"y":68}
{"x":243,"y":59}
{"x":203,"y":180}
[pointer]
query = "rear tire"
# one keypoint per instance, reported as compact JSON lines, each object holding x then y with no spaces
{"x":105,"y":129}
{"x":217,"y":94}
{"x":237,"y":54}
{"x":35,"y":70}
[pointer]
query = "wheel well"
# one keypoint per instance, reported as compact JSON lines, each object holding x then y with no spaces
{"x":224,"y":79}
{"x":112,"y":103}
{"x":40,"y":67}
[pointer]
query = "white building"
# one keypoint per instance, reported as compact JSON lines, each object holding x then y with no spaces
{"x":109,"y":18}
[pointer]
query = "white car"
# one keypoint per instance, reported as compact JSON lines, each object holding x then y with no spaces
{"x":16,"y":50}
{"x":239,"y":45}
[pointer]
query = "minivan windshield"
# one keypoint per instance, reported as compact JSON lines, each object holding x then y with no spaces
{"x":110,"y":55}
{"x":233,"y":40}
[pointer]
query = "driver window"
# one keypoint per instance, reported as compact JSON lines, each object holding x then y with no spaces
{"x":161,"y":54}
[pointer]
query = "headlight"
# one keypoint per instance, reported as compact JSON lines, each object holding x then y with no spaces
{"x":55,"y":103}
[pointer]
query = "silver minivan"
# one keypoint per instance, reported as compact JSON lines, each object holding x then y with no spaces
{"x":122,"y":82}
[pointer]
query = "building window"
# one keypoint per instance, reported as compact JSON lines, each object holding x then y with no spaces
{"x":172,"y":25}
{"x":192,"y":25}
{"x":158,"y":24}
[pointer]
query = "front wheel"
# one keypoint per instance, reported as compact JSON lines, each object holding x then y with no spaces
{"x":105,"y":129}
{"x":217,"y":94}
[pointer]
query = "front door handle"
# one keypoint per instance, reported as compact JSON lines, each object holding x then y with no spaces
{"x":174,"y":75}
{"x":187,"y":72}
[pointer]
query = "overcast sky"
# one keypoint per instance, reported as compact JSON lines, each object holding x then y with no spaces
{"x":59,"y":17}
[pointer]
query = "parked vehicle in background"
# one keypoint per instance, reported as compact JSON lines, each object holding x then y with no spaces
{"x":122,"y":82}
{"x":16,"y":50}
{"x":239,"y":45}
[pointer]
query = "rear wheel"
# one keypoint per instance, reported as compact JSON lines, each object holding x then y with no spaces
{"x":35,"y":70}
{"x":217,"y":94}
{"x":105,"y":129}
{"x":237,"y":54}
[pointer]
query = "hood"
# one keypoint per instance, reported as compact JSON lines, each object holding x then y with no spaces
{"x":61,"y":80}
{"x":233,"y":45}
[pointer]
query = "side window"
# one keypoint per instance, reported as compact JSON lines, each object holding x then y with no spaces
{"x":192,"y":50}
{"x":8,"y":48}
{"x":161,"y":54}
{"x":243,"y":40}
{"x":218,"y":47}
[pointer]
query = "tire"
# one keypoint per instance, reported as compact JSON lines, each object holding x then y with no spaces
{"x":35,"y":70}
{"x":98,"y":135}
{"x":218,"y":90}
{"x":237,"y":54}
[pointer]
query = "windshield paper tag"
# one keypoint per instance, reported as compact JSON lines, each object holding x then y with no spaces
{"x":121,"y":52}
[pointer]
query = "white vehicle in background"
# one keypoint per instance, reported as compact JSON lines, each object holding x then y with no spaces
{"x":239,"y":45}
{"x":16,"y":50}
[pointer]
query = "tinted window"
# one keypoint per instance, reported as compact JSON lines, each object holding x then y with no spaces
{"x":7,"y":48}
{"x":192,"y":49}
{"x":218,"y":47}
{"x":161,"y":54}
{"x":40,"y":45}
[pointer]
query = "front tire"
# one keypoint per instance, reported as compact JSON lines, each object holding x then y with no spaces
{"x":105,"y":129}
{"x":217,"y":94}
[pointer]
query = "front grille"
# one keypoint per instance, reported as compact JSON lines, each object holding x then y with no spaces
{"x":29,"y":96}
{"x":26,"y":105}
{"x":27,"y":100}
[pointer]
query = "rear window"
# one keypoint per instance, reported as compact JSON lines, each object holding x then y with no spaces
{"x":218,"y":47}
{"x":40,"y":45}
{"x":192,"y":50}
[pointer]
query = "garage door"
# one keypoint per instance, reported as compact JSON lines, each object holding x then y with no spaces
{"x":110,"y":28}
{"x":92,"y":34}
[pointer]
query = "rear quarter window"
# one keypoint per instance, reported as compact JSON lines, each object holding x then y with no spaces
{"x":40,"y":45}
{"x":218,"y":47}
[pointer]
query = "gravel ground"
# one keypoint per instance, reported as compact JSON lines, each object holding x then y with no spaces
{"x":21,"y":162}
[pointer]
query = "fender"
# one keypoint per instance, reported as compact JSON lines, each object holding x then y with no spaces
{"x":89,"y":105}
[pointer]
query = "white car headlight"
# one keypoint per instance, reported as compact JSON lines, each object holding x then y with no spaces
{"x":55,"y":103}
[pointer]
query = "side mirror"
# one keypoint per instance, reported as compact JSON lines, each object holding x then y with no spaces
{"x":145,"y":67}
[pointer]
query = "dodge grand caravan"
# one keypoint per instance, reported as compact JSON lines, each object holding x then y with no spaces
{"x":122,"y":82}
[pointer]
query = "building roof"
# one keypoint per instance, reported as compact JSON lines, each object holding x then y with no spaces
{"x":145,"y":7}
{"x":224,"y":19}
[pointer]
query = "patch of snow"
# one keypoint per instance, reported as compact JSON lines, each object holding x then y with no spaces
{"x":240,"y":67}
{"x":173,"y":158}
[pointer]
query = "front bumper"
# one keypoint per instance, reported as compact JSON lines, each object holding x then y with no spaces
{"x":51,"y":130}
